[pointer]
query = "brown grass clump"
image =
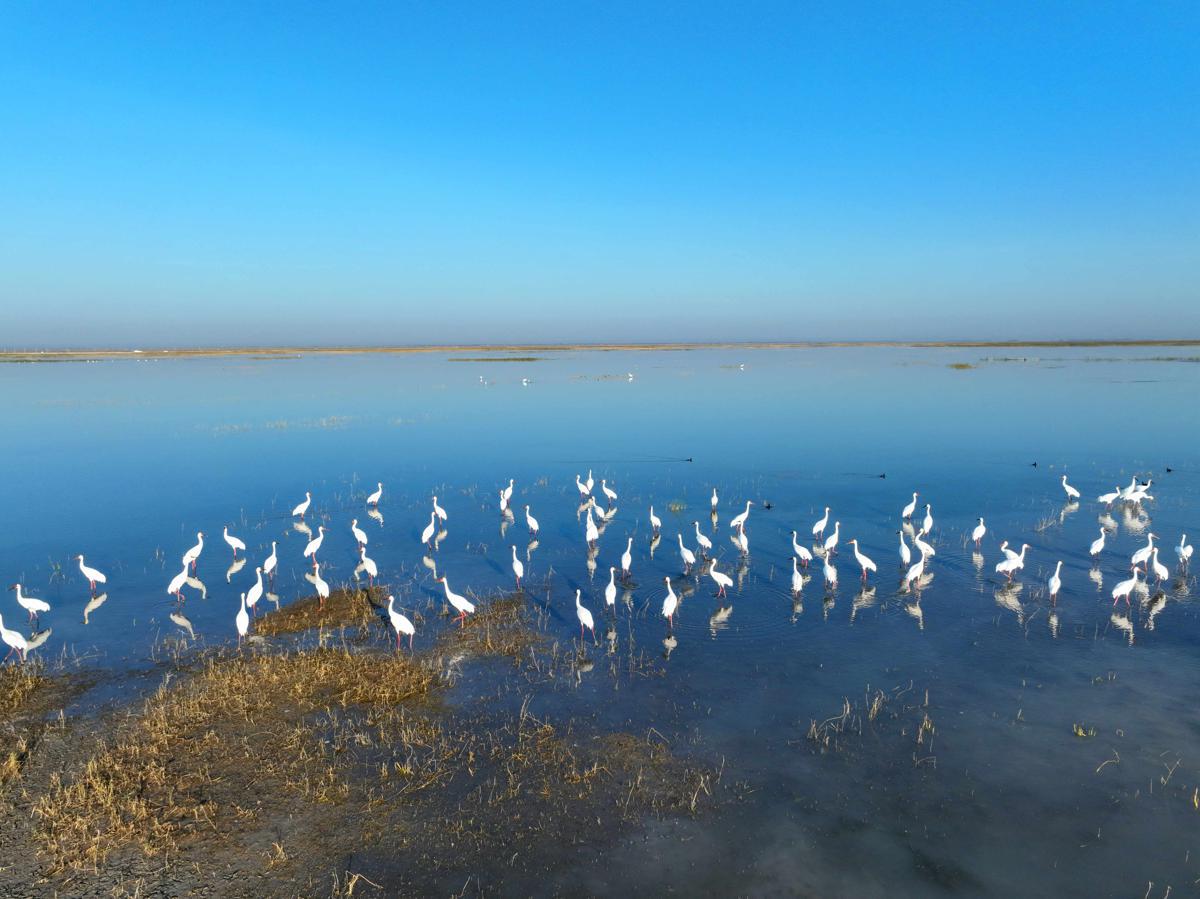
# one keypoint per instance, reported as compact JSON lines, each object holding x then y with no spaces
{"x":208,"y":753}
{"x":343,"y":608}
{"x":17,"y":684}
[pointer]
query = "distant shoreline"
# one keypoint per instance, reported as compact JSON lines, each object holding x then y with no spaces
{"x":50,"y":355}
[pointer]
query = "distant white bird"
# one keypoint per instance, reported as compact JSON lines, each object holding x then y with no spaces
{"x":703,"y":542}
{"x":907,"y":512}
{"x":1133,"y":485}
{"x":508,"y":492}
{"x":315,"y":543}
{"x":430,"y":529}
{"x":254,"y":594}
{"x":400,"y":622}
{"x":831,"y":575}
{"x":360,"y":536}
{"x":905,"y":552}
{"x":175,"y":588}
{"x":655,"y":521}
{"x":93,"y":576}
{"x":1184,"y":551}
{"x":590,"y":531}
{"x":192,"y":555}
{"x":1142,"y":555}
{"x":1140,"y":492}
{"x":1071,"y":492}
{"x":689,"y":557}
{"x":1055,"y":583}
{"x":14,"y":639}
{"x":797,"y":578}
{"x":303,"y":507}
{"x":584,"y":616}
{"x":801,"y":551}
{"x":461,"y":603}
{"x":978,"y":534}
{"x":924,"y":547}
{"x":721,"y":578}
{"x":740,"y":520}
{"x":584,"y":492}
{"x":670,"y":603}
{"x":818,"y":529}
{"x":1097,"y":546}
{"x":714,"y":499}
{"x":368,"y":565}
{"x":927,"y":524}
{"x":915,"y":572}
{"x":242,"y":620}
{"x":1160,"y":570}
{"x":1109,"y":498}
{"x":234,"y":543}
{"x":831,"y":541}
{"x":1009,"y":566}
{"x":627,"y":557}
{"x":374,"y":498}
{"x":503,"y":503}
{"x":32,"y":604}
{"x":531,"y":522}
{"x":1124,"y":588}
{"x":517,"y":567}
{"x":608,"y":492}
{"x":590,"y":482}
{"x":864,"y":562}
{"x":272,"y":562}
{"x":319,"y":583}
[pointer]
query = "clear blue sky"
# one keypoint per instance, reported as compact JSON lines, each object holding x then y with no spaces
{"x":280,"y":173}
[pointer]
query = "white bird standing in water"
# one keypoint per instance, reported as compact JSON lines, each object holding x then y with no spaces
{"x":303,"y":507}
{"x":905,"y":552}
{"x":797,"y":578}
{"x":927,"y":524}
{"x":655,"y":521}
{"x":461,"y":603}
{"x":254,"y":594}
{"x":374,"y":498}
{"x":584,"y":616}
{"x":175,"y":588}
{"x":915,"y":572}
{"x":721,"y":578}
{"x":14,"y":639}
{"x":977,"y":534}
{"x":93,"y":576}
{"x":531,"y":522}
{"x":441,"y":513}
{"x":315,"y":543}
{"x":627,"y":557}
{"x":360,"y":536}
{"x":801,"y":551}
{"x":1071,"y":492}
{"x":608,"y":492}
{"x":743,"y":541}
{"x":1109,"y":498}
{"x":584,"y":492}
{"x":610,"y":591}
{"x":400,"y":623}
{"x":1010,"y":565}
{"x":740,"y":520}
{"x":831,"y":575}
{"x":907,"y":512}
{"x":1142,"y":555}
{"x":192,"y":555}
{"x":670,"y":603}
{"x":590,"y":482}
{"x":864,"y":562}
{"x":430,"y":529}
{"x":368,"y":565}
{"x":242,"y":620}
{"x":590,"y":531}
{"x":319,"y":583}
{"x":714,"y":499}
{"x":517,"y":567}
{"x":689,"y":557}
{"x":507,"y":491}
{"x":1184,"y":551}
{"x":234,"y":543}
{"x":703,"y":542}
{"x":32,"y":604}
{"x":818,"y":529}
{"x":1055,"y":583}
{"x":1124,"y":588}
{"x":503,"y":503}
{"x":272,"y":562}
{"x":925,"y":548}
{"x":831,"y":541}
{"x":1097,"y":545}
{"x":1160,"y":570}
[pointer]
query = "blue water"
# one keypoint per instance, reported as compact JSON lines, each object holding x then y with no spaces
{"x":125,"y":460}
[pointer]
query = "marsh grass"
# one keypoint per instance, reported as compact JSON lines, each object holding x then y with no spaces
{"x":344,"y":608}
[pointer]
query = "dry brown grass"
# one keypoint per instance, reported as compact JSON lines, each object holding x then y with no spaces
{"x":343,"y":608}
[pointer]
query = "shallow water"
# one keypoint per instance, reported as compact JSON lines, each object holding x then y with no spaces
{"x":124,"y":461}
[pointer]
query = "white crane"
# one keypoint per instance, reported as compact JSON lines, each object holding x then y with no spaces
{"x":315,"y":544}
{"x":360,"y":536}
{"x":461,"y":603}
{"x":32,"y":604}
{"x":1071,"y":492}
{"x":517,"y":567}
{"x":374,"y":498}
{"x":302,"y":507}
{"x":864,"y":562}
{"x":801,"y":551}
{"x":400,"y":623}
{"x":689,"y":557}
{"x":907,"y":512}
